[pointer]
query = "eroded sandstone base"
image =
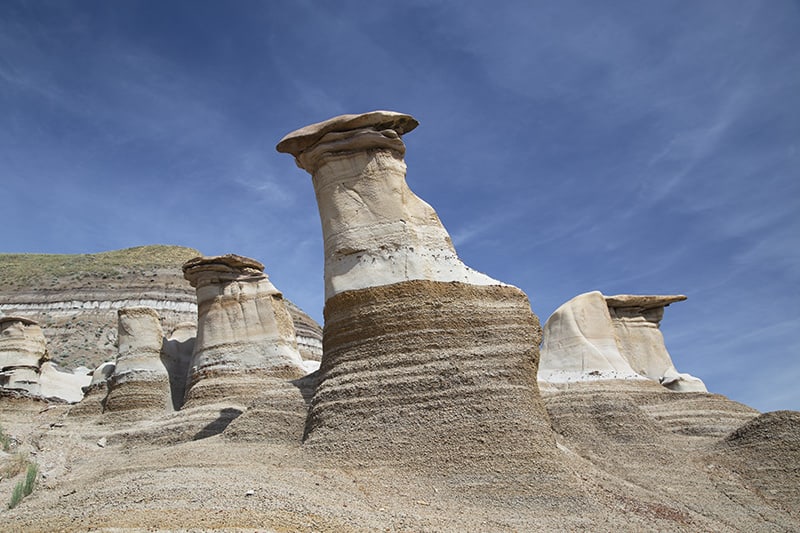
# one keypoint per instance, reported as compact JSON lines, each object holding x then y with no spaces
{"x":445,"y":370}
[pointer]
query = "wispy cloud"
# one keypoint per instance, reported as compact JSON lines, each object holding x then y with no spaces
{"x":254,"y":174}
{"x":465,"y":235}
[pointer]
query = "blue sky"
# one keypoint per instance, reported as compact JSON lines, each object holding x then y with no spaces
{"x":626,"y":147}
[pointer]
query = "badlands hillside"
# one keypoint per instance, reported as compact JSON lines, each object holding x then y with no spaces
{"x":75,"y":298}
{"x":433,"y":407}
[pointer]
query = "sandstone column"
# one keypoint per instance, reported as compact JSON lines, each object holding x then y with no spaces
{"x":244,"y":332}
{"x":422,"y":356}
{"x":140,"y":379}
{"x":376,"y":231}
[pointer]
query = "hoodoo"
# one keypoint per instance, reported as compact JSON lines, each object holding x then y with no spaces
{"x":593,"y":337}
{"x":25,"y":365}
{"x":22,"y":350}
{"x":140,"y":380}
{"x":421,"y":354}
{"x":244,"y":331}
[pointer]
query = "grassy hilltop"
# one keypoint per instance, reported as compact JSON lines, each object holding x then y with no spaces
{"x":34,"y":271}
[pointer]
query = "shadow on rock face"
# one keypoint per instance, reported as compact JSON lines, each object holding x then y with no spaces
{"x":226,"y":416}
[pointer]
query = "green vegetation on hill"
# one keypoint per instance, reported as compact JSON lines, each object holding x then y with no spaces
{"x":21,"y":270}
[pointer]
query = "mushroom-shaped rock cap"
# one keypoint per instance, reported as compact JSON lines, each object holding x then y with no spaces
{"x":221,"y":267}
{"x":227,"y":261}
{"x":643,"y":301}
{"x":300,"y":140}
{"x":24,"y":320}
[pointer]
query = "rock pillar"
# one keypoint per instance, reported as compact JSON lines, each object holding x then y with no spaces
{"x":244,"y":332}
{"x":376,"y":231}
{"x":421,"y":354}
{"x":140,"y":379}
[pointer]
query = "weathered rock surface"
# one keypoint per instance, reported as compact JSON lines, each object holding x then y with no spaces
{"x":140,"y":380}
{"x":636,"y":319}
{"x":421,"y":362}
{"x":23,"y":349}
{"x":665,"y":452}
{"x":95,"y":394}
{"x":176,"y":354}
{"x":244,"y":331}
{"x":765,"y":452}
{"x":63,"y":385}
{"x":595,"y":337}
{"x":376,"y":231}
{"x":25,"y":365}
{"x":418,"y":348}
{"x":307,"y":332}
{"x":75,"y":298}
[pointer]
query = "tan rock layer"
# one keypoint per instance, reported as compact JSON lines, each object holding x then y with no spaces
{"x":93,"y":401}
{"x":695,"y":413}
{"x":307,"y":332}
{"x":22,"y":343}
{"x":234,"y":369}
{"x":298,"y":141}
{"x":277,"y":414}
{"x":235,"y":385}
{"x":144,"y":396}
{"x":440,"y":369}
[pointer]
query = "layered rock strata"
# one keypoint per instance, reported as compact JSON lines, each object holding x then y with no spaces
{"x":595,"y":337}
{"x":140,"y":379}
{"x":75,"y":298}
{"x":765,"y":452}
{"x":421,"y":354}
{"x":440,"y":369}
{"x":244,"y":332}
{"x":95,"y":394}
{"x":307,"y":332}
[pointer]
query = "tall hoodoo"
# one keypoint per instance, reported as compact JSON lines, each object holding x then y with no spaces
{"x":140,"y":380}
{"x":376,"y":230}
{"x":244,"y":331}
{"x":421,"y":354}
